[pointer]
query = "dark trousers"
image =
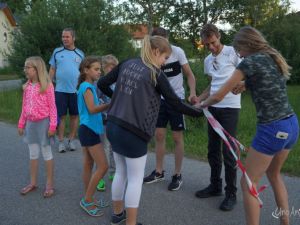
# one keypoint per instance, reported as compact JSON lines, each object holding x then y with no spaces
{"x":228,"y":118}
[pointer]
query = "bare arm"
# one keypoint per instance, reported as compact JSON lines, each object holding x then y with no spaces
{"x":227,"y":87}
{"x":187,"y":71}
{"x":165,"y":89}
{"x":52,"y":72}
{"x":239,"y":88}
{"x":89,"y":101}
{"x":204,"y":95}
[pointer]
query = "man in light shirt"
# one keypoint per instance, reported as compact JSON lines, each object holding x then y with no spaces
{"x":219,"y":66}
{"x":64,"y":69}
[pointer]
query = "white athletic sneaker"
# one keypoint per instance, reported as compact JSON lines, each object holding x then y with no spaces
{"x":71,"y":145}
{"x":61,"y":147}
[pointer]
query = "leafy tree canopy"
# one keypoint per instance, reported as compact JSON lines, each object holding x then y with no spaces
{"x":284,"y":34}
{"x":41,"y":27}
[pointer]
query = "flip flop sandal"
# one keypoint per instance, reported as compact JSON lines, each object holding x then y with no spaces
{"x":86,"y":206}
{"x":49,"y":191}
{"x":27,"y":189}
{"x":101,"y":203}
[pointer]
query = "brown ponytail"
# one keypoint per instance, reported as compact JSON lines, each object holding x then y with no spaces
{"x":251,"y":40}
{"x":86,"y":63}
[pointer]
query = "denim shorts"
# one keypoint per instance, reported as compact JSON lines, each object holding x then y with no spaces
{"x":277,"y":135}
{"x":87,"y":136}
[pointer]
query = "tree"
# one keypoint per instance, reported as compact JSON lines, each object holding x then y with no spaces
{"x":254,"y":12}
{"x":152,"y":13}
{"x":41,"y":26}
{"x":20,"y":6}
{"x":284,"y":34}
{"x":189,"y":16}
{"x":16,"y":5}
{"x":184,"y":18}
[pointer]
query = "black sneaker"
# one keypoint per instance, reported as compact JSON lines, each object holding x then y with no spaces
{"x":118,"y":219}
{"x":228,"y":203}
{"x":175,"y":183}
{"x":154,"y":177}
{"x":207,"y":192}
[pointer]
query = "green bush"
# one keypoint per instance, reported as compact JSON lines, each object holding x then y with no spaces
{"x":42,"y":25}
{"x":6,"y":70}
{"x":284,"y":34}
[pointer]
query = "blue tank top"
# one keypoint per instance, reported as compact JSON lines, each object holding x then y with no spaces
{"x":92,"y":121}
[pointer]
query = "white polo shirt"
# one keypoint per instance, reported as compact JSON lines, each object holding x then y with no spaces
{"x":220,"y":68}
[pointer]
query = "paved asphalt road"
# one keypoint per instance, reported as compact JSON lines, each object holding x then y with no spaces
{"x":10,"y":84}
{"x":158,"y":206}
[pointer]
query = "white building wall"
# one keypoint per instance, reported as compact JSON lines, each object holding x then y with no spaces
{"x":5,"y":38}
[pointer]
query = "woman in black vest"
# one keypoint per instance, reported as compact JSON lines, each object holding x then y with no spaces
{"x":132,"y":118}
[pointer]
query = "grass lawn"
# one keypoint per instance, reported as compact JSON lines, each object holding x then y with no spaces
{"x":11,"y":104}
{"x":8,"y":73}
{"x":196,"y":133}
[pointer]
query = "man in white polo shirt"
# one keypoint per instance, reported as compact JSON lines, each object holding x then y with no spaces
{"x":219,"y":66}
{"x":64,"y":68}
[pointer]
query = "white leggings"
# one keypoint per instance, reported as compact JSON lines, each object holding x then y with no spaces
{"x":129,"y":170}
{"x":34,"y":151}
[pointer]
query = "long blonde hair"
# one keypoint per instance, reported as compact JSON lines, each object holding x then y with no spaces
{"x":149,"y":45}
{"x":39,"y":65}
{"x":251,"y":40}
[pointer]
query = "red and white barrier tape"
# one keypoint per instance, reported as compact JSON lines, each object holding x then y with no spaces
{"x":238,"y":146}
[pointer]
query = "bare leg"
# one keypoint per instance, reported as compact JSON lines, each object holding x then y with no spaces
{"x":256,"y":165}
{"x":88,"y":164}
{"x":73,"y":127}
{"x":49,"y":169}
{"x":179,"y":150}
{"x":99,"y":157}
{"x":118,"y":207}
{"x":33,"y":171}
{"x":131,"y":216}
{"x":61,"y":128}
{"x":275,"y":178}
{"x":160,"y":142}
